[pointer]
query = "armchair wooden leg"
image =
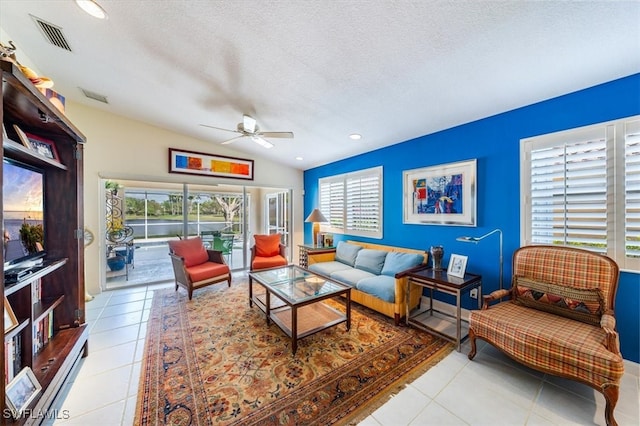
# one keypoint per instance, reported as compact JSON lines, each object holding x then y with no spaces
{"x":611,"y":397}
{"x":472,"y":341}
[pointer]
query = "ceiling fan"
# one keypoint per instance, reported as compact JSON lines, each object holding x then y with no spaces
{"x":249,"y":128}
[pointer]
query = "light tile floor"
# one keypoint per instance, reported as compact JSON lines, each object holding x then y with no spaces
{"x":490,"y":390}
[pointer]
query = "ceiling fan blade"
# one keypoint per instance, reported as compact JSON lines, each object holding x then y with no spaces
{"x":288,"y":135}
{"x":219,"y":128}
{"x":249,"y":124}
{"x":228,"y":141}
{"x":262,"y":141}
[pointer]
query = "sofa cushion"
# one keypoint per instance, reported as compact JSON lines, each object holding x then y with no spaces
{"x":346,"y":253}
{"x":351,"y":276}
{"x":191,"y":250}
{"x":371,"y":260}
{"x":382,"y":286}
{"x":260,"y":262}
{"x":582,"y":304}
{"x":328,"y":268}
{"x":267,"y":245}
{"x":398,"y":262}
{"x":207,"y":271}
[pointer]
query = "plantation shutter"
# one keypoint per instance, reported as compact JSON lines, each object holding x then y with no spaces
{"x":632,"y":190}
{"x":332,"y":203}
{"x":352,"y":203}
{"x":363,"y":202}
{"x":569,"y":192}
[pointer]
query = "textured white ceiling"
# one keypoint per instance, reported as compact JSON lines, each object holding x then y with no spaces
{"x":390,"y":70}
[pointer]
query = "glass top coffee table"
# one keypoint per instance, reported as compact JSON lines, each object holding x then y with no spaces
{"x":293,"y":301}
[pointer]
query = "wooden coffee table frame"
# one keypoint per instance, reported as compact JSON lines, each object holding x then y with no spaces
{"x":299,"y":319}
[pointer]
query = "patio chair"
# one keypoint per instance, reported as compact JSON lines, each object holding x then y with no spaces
{"x":224,"y":244}
{"x":195,"y":267}
{"x":268,"y":252}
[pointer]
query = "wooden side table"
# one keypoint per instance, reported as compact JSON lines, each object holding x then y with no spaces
{"x":445,"y":325}
{"x":305,"y":249}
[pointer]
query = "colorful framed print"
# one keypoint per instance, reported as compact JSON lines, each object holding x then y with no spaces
{"x":457,"y":265}
{"x":42,"y":146}
{"x":441,"y":195}
{"x":21,"y":391}
{"x":199,"y":163}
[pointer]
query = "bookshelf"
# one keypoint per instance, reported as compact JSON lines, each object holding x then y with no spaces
{"x":50,"y":334}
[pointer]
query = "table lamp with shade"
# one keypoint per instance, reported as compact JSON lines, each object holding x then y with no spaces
{"x":476,"y":240}
{"x":316,"y":217}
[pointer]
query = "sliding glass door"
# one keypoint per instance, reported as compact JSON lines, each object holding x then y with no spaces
{"x":223,"y":215}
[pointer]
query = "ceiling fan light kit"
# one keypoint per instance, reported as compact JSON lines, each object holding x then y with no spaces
{"x":249,"y":128}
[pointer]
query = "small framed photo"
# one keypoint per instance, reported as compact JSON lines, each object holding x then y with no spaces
{"x":10,"y":320}
{"x":42,"y":146}
{"x":457,"y":265}
{"x":21,"y":391}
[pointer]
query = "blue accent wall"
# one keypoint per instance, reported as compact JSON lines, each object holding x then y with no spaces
{"x":495,"y":143}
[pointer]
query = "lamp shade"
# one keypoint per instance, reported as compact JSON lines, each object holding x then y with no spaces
{"x":316,"y":216}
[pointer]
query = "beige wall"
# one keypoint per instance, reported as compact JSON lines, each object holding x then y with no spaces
{"x":120,"y":148}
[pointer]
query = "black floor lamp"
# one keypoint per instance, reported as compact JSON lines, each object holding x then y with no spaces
{"x":476,"y":240}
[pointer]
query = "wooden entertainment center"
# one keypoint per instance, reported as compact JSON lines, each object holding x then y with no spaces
{"x":50,"y":332}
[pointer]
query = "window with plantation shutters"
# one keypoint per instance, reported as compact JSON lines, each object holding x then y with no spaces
{"x":352,"y":203}
{"x":582,"y":189}
{"x":632,"y":189}
{"x":332,"y":202}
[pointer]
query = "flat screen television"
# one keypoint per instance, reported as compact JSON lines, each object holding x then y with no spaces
{"x":23,"y":213}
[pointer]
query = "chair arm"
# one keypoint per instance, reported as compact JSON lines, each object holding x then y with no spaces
{"x":216,"y":256}
{"x":179,"y":269}
{"x":493,"y":296}
{"x":283,"y":250}
{"x":608,"y":324}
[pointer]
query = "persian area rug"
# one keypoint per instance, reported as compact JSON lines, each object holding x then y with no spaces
{"x":215,"y":361}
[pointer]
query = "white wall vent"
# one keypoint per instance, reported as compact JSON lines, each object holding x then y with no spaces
{"x":95,"y":96}
{"x":52,"y":33}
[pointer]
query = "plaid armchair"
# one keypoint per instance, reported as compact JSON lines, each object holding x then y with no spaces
{"x":559,"y":319}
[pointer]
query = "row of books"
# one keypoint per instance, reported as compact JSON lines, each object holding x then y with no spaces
{"x":42,"y":332}
{"x":325,"y":240}
{"x":12,"y":358}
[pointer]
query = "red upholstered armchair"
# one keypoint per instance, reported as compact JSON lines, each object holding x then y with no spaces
{"x":268,"y":252}
{"x":195,"y":267}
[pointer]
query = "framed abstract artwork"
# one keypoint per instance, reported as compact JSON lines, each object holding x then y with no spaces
{"x":441,"y":195}
{"x":200,"y":163}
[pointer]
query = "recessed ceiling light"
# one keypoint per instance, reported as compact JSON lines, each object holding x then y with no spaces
{"x":355,"y":136}
{"x":92,"y":8}
{"x":299,"y":158}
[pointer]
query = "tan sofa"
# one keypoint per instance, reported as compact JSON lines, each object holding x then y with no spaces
{"x":374,"y":275}
{"x":559,"y":318}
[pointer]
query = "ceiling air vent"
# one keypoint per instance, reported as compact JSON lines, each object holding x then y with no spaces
{"x":52,"y":33}
{"x":95,"y":96}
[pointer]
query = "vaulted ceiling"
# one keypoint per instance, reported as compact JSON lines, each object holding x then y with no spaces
{"x":390,"y":70}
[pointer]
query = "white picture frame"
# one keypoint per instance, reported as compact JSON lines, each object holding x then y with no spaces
{"x":457,"y":265}
{"x":441,"y":195}
{"x":22,"y":390}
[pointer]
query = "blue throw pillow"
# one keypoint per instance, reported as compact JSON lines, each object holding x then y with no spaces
{"x":398,"y":262}
{"x":346,"y":253}
{"x":371,"y":260}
